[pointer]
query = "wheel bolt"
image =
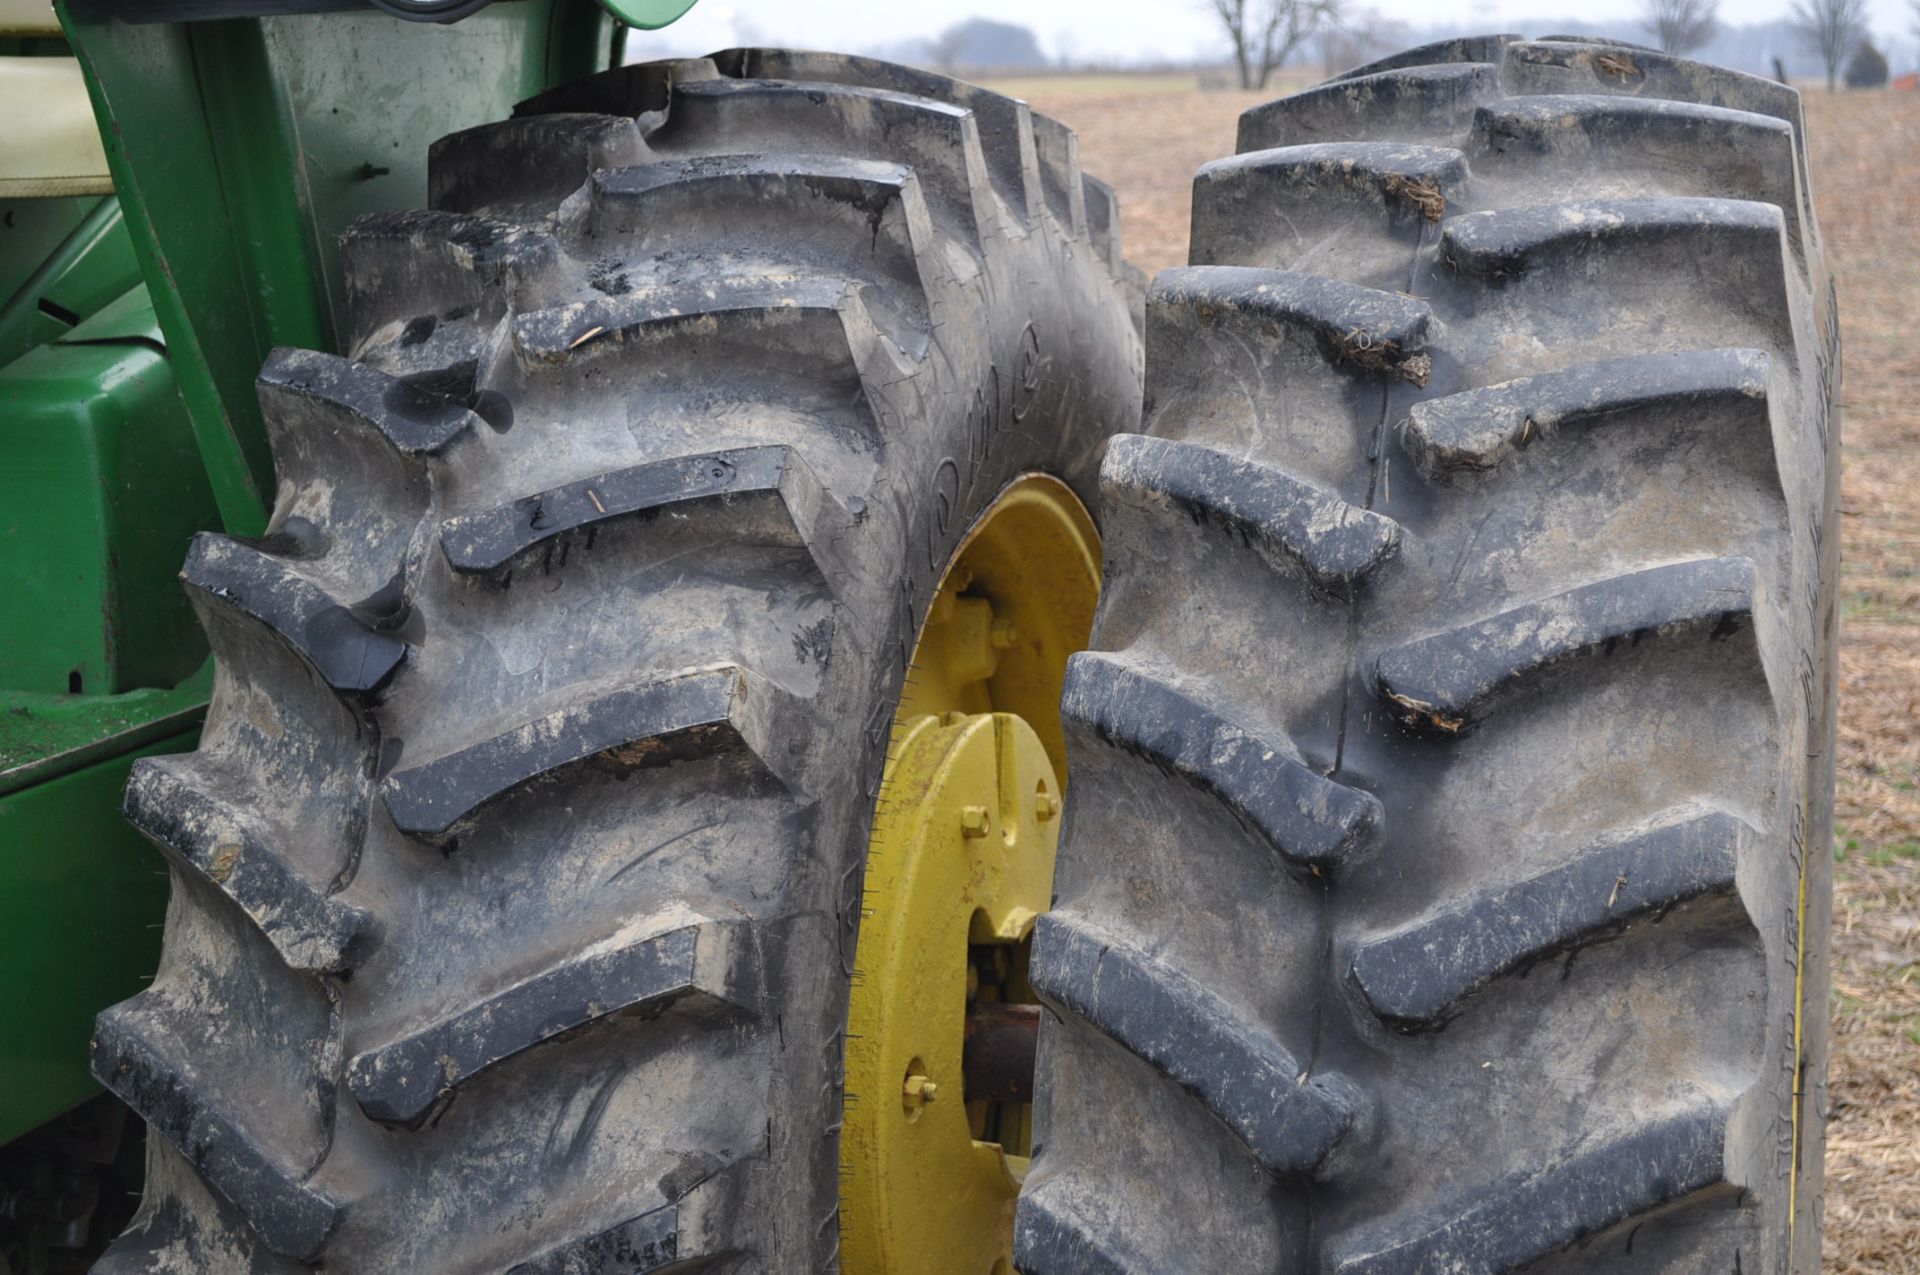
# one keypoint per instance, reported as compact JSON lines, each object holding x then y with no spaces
{"x":973,"y":821}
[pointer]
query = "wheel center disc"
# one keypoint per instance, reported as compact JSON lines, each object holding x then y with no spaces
{"x":941,"y":1022}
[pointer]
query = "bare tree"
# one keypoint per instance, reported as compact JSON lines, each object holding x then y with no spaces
{"x":1265,"y":33}
{"x":1832,"y":29}
{"x":1066,"y":47}
{"x":1356,"y":36}
{"x":946,"y":47}
{"x":1679,"y":26}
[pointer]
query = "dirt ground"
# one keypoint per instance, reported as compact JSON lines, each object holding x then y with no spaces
{"x":1147,"y":139}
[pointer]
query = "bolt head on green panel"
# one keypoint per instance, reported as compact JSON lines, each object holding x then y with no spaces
{"x":648,"y":15}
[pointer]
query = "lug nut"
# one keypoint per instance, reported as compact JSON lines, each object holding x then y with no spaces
{"x":973,"y":821}
{"x":1045,"y":806}
{"x":1005,"y":635}
{"x":919,"y":1090}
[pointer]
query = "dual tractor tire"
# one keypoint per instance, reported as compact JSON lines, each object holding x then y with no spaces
{"x":1444,"y":887}
{"x":1441,"y":887}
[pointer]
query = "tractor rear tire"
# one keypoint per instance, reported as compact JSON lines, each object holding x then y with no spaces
{"x":1444,"y":886}
{"x":517,"y":877}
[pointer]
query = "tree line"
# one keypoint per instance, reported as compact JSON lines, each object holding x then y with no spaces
{"x":1265,"y":34}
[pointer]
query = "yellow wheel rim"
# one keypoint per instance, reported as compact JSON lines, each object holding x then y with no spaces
{"x":960,"y":864}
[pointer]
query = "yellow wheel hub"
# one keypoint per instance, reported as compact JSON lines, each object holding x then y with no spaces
{"x":938,"y":1104}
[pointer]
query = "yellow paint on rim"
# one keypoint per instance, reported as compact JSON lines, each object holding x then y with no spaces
{"x":959,"y":866}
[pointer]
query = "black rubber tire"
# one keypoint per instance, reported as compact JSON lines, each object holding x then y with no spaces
{"x":517,"y":876}
{"x":1444,"y":886}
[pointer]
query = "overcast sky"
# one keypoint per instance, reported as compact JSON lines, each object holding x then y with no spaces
{"x":1124,"y":30}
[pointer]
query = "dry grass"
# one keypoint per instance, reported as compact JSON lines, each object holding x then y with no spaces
{"x":1865,"y":148}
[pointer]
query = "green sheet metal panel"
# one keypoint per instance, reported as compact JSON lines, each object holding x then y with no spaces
{"x":31,"y":230}
{"x":82,"y":897}
{"x":146,"y":94}
{"x":100,"y":491}
{"x":44,"y":736}
{"x":60,"y":260}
